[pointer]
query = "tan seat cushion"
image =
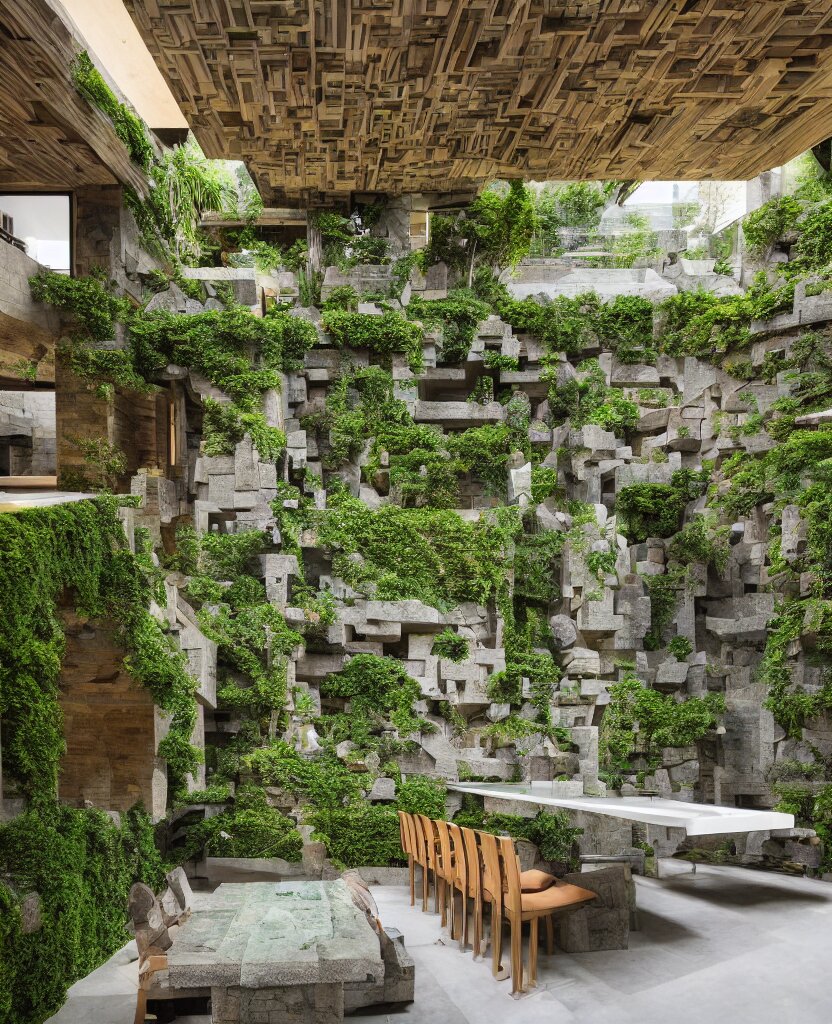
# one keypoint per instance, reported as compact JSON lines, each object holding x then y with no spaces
{"x":555,"y":897}
{"x":535,"y":880}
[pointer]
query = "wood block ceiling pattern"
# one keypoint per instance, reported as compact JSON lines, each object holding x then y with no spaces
{"x":49,"y":136}
{"x":322,"y":99}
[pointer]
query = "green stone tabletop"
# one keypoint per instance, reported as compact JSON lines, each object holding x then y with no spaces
{"x":269,"y":934}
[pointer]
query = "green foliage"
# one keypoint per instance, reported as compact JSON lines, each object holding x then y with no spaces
{"x":552,"y":833}
{"x":250,"y":829}
{"x":586,"y":398}
{"x":680,"y":647}
{"x":495,"y":361}
{"x":380,"y":692}
{"x":649,"y":510}
{"x":423,"y":554}
{"x":221,"y":344}
{"x":544,"y":483}
{"x":661,"y":721}
{"x":419,"y":794}
{"x":343,"y":297}
{"x":770,"y":222}
{"x":663,"y":589}
{"x":625,"y":326}
{"x":323,"y":782}
{"x":789,"y":702}
{"x":637,"y":244}
{"x":183,"y":186}
{"x":90,"y":300}
{"x":82,"y":866}
{"x":223,"y":426}
{"x":451,"y":645}
{"x":77,"y":549}
{"x":382,"y":335}
{"x":655,"y":510}
{"x":702,"y":324}
{"x":457,"y":316}
{"x":495,"y":231}
{"x":813,"y":249}
{"x":216,"y":793}
{"x":106,"y":461}
{"x":701,"y":540}
{"x":128,"y":126}
{"x":537,"y":565}
{"x":359,"y":834}
{"x":563,"y":325}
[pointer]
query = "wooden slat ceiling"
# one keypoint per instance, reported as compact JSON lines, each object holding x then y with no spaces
{"x":50,"y":137}
{"x":322,"y":99}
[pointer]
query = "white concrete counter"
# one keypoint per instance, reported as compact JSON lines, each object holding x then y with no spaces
{"x":695,"y":819}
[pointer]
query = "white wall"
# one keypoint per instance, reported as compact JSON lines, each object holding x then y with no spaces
{"x":42,"y":222}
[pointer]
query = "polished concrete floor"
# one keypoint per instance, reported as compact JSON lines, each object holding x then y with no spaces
{"x":723,"y":946}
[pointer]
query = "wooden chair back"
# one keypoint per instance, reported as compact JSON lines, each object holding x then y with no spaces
{"x":473,"y":860}
{"x":406,"y":833}
{"x":445,"y":867}
{"x":510,"y":874}
{"x":428,"y":837}
{"x":459,"y":857}
{"x":491,"y":875}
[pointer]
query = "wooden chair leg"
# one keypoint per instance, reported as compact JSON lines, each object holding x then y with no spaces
{"x":534,"y":938}
{"x":550,"y":935}
{"x":496,"y":932}
{"x":516,"y":957}
{"x":463,"y":937}
{"x":425,"y":888}
{"x":411,"y":864}
{"x":437,"y":884}
{"x":478,"y":926}
{"x":141,"y":1006}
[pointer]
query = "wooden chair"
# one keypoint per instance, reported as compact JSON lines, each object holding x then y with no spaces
{"x":491,"y":888}
{"x":408,"y":841}
{"x":492,"y":893}
{"x":474,"y":865}
{"x":420,"y":856}
{"x":445,"y":874}
{"x":430,"y":845}
{"x":459,"y":883}
{"x":519,"y":907}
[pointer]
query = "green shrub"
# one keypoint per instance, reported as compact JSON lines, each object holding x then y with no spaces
{"x":250,"y":829}
{"x":383,"y":335}
{"x":420,"y":794}
{"x":422,"y":554}
{"x":82,"y":865}
{"x":91,"y":301}
{"x":770,"y":222}
{"x":343,"y":297}
{"x":128,"y":126}
{"x":457,"y":316}
{"x":550,"y":832}
{"x":680,"y":647}
{"x":662,"y":722}
{"x":451,"y":645}
{"x":359,"y":834}
{"x":379,"y":691}
{"x":648,"y":510}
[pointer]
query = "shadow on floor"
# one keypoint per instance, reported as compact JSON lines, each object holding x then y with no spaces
{"x":732,"y":892}
{"x":653,"y":927}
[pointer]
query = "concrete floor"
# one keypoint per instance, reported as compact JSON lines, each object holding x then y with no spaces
{"x":723,"y":945}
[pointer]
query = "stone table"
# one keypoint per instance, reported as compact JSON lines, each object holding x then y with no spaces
{"x":275,"y":951}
